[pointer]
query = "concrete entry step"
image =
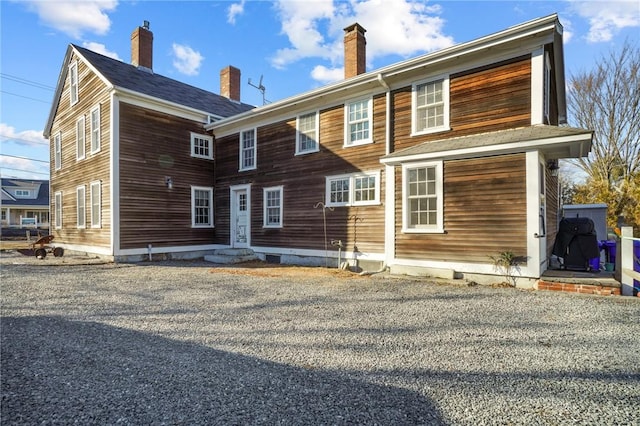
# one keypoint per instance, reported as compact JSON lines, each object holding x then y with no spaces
{"x":230,"y":256}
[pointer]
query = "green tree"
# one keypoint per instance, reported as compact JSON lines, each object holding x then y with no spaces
{"x":607,"y":101}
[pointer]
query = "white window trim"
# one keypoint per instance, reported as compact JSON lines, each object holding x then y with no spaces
{"x":241,"y":167}
{"x":73,"y":88}
{"x":439,"y":227}
{"x":352,"y":177}
{"x":193,"y":207}
{"x":57,"y":208}
{"x":95,"y":147}
{"x":81,"y":146}
{"x":81,"y":221}
{"x":57,"y":150}
{"x":209,"y":140}
{"x":414,"y":105}
{"x":317,"y":130}
{"x":347,"y":143}
{"x":279,"y":189}
{"x":96,"y":219}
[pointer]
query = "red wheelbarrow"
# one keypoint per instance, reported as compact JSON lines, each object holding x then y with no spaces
{"x":41,"y":247}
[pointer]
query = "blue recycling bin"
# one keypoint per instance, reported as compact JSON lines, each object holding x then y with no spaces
{"x":609,"y":248}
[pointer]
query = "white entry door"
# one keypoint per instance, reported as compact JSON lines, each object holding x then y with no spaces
{"x":240,"y":218}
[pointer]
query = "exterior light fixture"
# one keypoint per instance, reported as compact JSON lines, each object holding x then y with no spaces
{"x":169,"y":182}
{"x":553,"y":167}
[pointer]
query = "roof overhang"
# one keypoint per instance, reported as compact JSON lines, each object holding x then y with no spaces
{"x":553,"y":142}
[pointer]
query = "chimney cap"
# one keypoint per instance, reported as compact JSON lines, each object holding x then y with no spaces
{"x":145,"y":25}
{"x":355,"y":26}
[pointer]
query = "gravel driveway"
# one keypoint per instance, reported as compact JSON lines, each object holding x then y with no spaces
{"x":188,"y":343}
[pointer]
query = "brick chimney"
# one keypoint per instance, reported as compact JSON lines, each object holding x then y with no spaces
{"x":355,"y":51}
{"x":230,"y":83}
{"x":142,"y":46}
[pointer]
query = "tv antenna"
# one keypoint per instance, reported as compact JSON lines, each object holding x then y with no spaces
{"x":261,"y":88}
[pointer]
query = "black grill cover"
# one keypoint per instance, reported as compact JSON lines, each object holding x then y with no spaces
{"x":579,"y":234}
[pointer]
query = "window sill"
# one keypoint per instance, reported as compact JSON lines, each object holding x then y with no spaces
{"x":431,"y":131}
{"x":359,"y":143}
{"x":298,"y":153}
{"x":423,"y":231}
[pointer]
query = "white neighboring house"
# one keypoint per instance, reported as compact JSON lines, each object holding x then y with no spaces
{"x":25,"y":203}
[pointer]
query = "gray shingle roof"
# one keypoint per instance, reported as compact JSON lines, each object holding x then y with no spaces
{"x":129,"y":77}
{"x":43,"y":192}
{"x":497,"y":138}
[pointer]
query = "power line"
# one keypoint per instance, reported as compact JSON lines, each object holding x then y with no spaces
{"x":23,"y":170}
{"x":27,"y":82}
{"x":23,"y":140}
{"x":25,"y":158}
{"x":25,"y":97}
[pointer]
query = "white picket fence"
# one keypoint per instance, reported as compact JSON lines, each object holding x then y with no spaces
{"x":627,"y":261}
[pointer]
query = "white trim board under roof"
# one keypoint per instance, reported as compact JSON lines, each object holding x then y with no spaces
{"x":516,"y":40}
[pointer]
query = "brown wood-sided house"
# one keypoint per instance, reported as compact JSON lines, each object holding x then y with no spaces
{"x":430,"y":165}
{"x":132,"y":167}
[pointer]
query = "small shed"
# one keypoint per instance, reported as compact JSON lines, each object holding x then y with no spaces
{"x":596,"y":212}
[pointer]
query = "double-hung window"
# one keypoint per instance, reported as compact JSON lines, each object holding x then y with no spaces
{"x":358,"y":124}
{"x":80,"y":209}
{"x":80,"y":146}
{"x":73,"y":82}
{"x":307,"y":133}
{"x":273,"y":207}
{"x":248,"y":150}
{"x":201,"y":146}
{"x":353,"y":190}
{"x":96,"y":204}
{"x":201,"y":207}
{"x":57,"y":150}
{"x":57,"y":208}
{"x":422,"y":198}
{"x":430,"y":100}
{"x":95,"y":129}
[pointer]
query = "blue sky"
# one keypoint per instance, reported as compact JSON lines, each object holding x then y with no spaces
{"x":295,"y":45}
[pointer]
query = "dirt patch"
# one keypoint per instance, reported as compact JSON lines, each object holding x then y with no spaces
{"x":263,"y":269}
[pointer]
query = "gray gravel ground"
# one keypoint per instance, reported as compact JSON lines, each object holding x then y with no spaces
{"x":187,"y":343}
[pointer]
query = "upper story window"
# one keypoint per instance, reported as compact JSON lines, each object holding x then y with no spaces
{"x":23,"y":193}
{"x":201,"y":207}
{"x":422,"y":199}
{"x":80,"y":144}
{"x":273,"y":207}
{"x":430,"y":104}
{"x":201,"y":146}
{"x":356,"y":189}
{"x":547,"y":88}
{"x":73,"y":82}
{"x":358,"y":123}
{"x":57,"y":150}
{"x":95,"y":129}
{"x":307,"y":140}
{"x":248,"y":150}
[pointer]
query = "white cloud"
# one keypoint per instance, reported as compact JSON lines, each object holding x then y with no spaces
{"x":234,"y":10}
{"x":75,"y":17}
{"x":326,"y":75}
{"x":315,"y":30}
{"x":186,"y":60}
{"x":101,"y":49}
{"x":30,"y":138}
{"x":567,"y":32}
{"x":607,"y":18}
